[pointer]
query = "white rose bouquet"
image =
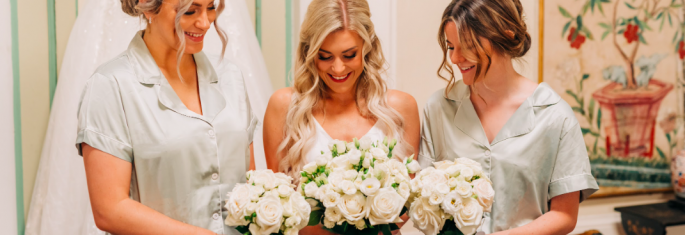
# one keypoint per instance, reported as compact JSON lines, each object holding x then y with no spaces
{"x":267,"y":204}
{"x":357,"y":188}
{"x":451,"y":198}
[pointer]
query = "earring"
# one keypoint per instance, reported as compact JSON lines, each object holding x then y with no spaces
{"x":149,"y":20}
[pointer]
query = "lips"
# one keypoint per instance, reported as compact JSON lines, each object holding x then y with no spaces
{"x":466,"y":69}
{"x":195,"y":37}
{"x":340,"y":79}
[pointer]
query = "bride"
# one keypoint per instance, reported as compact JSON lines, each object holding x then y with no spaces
{"x":60,"y":203}
{"x":338,"y":92}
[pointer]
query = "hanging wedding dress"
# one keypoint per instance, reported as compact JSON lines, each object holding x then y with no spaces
{"x":60,"y":203}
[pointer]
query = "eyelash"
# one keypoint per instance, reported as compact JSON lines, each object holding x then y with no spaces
{"x":192,"y":12}
{"x":347,"y":57}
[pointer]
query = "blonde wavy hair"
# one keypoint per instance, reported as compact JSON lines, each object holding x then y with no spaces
{"x":324,"y":17}
{"x":136,"y":8}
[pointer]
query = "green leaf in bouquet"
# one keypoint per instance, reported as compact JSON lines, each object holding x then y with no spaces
{"x":404,"y":210}
{"x":315,"y":217}
{"x":385,"y":141}
{"x":450,"y":228}
{"x":395,"y":185}
{"x":356,"y":142}
{"x":243,"y":229}
{"x":394,"y":227}
{"x":386,"y":229}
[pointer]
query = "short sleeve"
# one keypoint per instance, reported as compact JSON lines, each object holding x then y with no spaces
{"x":101,"y":119}
{"x":571,"y":171}
{"x":426,"y":148}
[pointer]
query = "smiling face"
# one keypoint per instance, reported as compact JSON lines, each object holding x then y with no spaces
{"x":465,"y":60}
{"x":195,"y":22}
{"x":339,"y":62}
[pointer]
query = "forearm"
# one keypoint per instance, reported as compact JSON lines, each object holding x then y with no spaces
{"x":131,"y":217}
{"x":315,"y":230}
{"x":551,"y":223}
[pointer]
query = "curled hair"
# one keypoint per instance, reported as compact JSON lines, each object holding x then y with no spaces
{"x":501,"y":22}
{"x":136,"y":8}
{"x":322,"y":18}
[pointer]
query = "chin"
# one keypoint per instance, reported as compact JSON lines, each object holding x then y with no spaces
{"x":467,"y":81}
{"x":193,"y":49}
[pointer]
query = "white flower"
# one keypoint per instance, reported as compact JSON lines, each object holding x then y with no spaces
{"x":436,"y":198}
{"x":354,"y":156}
{"x":332,"y":214}
{"x":330,"y":199}
{"x":370,"y":186}
{"x":360,"y":224}
{"x":452,"y":203}
{"x":469,"y":217}
{"x":322,"y":191}
{"x":340,"y":146}
{"x":291,"y":231}
{"x":426,"y":217}
{"x":334,"y":180}
{"x":284,"y":190}
{"x":416,"y":184}
{"x":454,"y":170}
{"x":397,"y":168}
{"x":353,"y":207}
{"x":265,"y":178}
{"x":251,"y":208}
{"x":442,"y":188}
{"x":467,"y":173}
{"x":323,"y":159}
{"x":367,"y":161}
{"x":269,"y":214}
{"x":385,"y":207}
{"x":310,"y":167}
{"x":404,"y":190}
{"x":311,"y":189}
{"x":464,"y":189}
{"x":348,"y":187}
{"x":483,"y":189}
{"x":365,"y":143}
{"x":443,"y":165}
{"x":453,"y":182}
{"x":413,"y":167}
{"x":350,"y":175}
{"x":302,"y":207}
{"x":293,"y":221}
{"x":255,"y":192}
{"x":238,"y":199}
{"x":378,"y":154}
{"x":350,"y":146}
{"x":255,"y":229}
{"x":283,"y":178}
{"x":467,"y":161}
{"x":340,"y":162}
{"x":435,"y":177}
{"x":328,"y":224}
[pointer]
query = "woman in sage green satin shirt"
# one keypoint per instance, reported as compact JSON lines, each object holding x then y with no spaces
{"x":165,"y":135}
{"x":523,"y":134}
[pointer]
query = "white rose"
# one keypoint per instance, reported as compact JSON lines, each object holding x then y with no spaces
{"x":370,"y":186}
{"x":367,"y":161}
{"x":378,"y":154}
{"x":464,"y":189}
{"x":293,"y":221}
{"x":328,"y":224}
{"x":385,"y":207}
{"x":436,"y":198}
{"x":251,"y":208}
{"x":348,"y":187}
{"x":255,"y":229}
{"x":416,"y":185}
{"x":453,"y":182}
{"x":291,"y":231}
{"x":331,"y":199}
{"x":238,"y":199}
{"x":397,"y":168}
{"x":284,"y":190}
{"x":302,"y":207}
{"x":353,"y":207}
{"x":452,"y":203}
{"x":360,"y":224}
{"x":322,"y":160}
{"x":435,"y":177}
{"x":442,"y":188}
{"x":334,"y":180}
{"x":269,"y":214}
{"x":248,"y":176}
{"x":358,"y":182}
{"x":365,"y":143}
{"x":340,"y":163}
{"x":256,"y":192}
{"x":454,"y":170}
{"x":236,"y":220}
{"x":483,"y":189}
{"x":311,"y":189}
{"x":310,"y":167}
{"x":466,"y":161}
{"x":350,"y":175}
{"x":469,"y":217}
{"x":443,"y":165}
{"x":354,"y":156}
{"x":350,"y":146}
{"x":404,"y":190}
{"x":265,"y":178}
{"x":332,"y":214}
{"x":340,"y":146}
{"x":322,"y":191}
{"x":413,"y":167}
{"x":426,"y":217}
{"x":467,"y":173}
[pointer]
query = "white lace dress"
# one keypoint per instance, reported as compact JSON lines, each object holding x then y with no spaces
{"x":322,"y":139}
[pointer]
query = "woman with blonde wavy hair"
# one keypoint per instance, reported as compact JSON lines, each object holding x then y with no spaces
{"x":164,"y":132}
{"x":337,"y":91}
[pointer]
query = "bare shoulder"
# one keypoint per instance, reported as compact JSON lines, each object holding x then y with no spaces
{"x":401,"y":101}
{"x":281,"y":97}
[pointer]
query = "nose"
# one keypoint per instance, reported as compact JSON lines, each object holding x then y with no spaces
{"x":338,"y":67}
{"x":456,"y":56}
{"x":202,"y":21}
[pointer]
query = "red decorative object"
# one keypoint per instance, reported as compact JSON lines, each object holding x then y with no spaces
{"x":579,"y":40}
{"x":681,"y":50}
{"x":631,"y":33}
{"x":629,"y":116}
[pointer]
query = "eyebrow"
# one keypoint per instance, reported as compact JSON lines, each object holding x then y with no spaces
{"x":345,"y":51}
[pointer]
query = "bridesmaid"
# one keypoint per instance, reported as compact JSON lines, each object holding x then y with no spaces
{"x":338,"y":92}
{"x":164,"y":134}
{"x":524,"y":135}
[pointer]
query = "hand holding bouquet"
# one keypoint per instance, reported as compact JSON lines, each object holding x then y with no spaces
{"x":358,"y":187}
{"x":450,"y":198}
{"x":267,"y":204}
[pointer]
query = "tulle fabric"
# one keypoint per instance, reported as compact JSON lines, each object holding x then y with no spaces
{"x":60,"y":202}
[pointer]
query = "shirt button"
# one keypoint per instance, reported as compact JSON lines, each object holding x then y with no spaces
{"x":211,"y":133}
{"x":215,"y":176}
{"x":215,"y":216}
{"x":487,"y":153}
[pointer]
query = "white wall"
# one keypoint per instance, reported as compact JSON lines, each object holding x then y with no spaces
{"x":8,"y":215}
